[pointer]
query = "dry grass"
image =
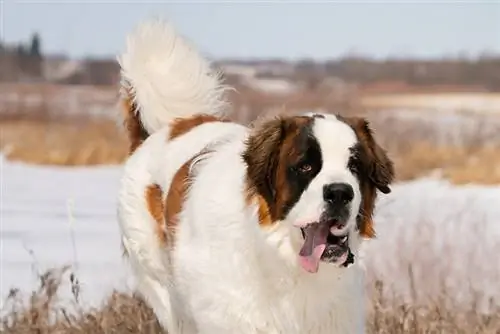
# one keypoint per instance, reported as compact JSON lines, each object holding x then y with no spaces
{"x":94,"y":142}
{"x":63,"y":142}
{"x":460,"y":165}
{"x":39,"y":132}
{"x":390,"y":316}
{"x":43,"y":314}
{"x":127,"y":313}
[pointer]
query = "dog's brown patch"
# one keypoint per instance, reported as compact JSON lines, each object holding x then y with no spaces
{"x":175,"y":199}
{"x":377,"y":173}
{"x":135,"y":130}
{"x":181,"y":126}
{"x":288,"y":154}
{"x":365,"y":220}
{"x":264,"y":214}
{"x":270,"y":151}
{"x":177,"y":193}
{"x":154,"y":200}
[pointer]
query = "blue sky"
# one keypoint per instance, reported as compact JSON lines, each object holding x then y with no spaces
{"x":265,"y":29}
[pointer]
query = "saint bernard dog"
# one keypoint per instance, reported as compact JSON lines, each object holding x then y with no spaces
{"x":234,"y":229}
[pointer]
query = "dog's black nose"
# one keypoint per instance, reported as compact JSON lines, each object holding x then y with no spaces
{"x":338,"y":193}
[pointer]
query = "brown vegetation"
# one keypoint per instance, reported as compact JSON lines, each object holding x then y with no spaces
{"x":480,"y":165}
{"x":127,"y":313}
{"x":42,"y":313}
{"x":38,"y":127}
{"x":63,"y":142}
{"x":94,"y":142}
{"x":391,"y":316}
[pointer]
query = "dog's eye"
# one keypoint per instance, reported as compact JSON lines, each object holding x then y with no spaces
{"x":354,"y":164}
{"x":304,"y":168}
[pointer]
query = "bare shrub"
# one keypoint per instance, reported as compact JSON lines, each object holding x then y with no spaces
{"x":43,"y":313}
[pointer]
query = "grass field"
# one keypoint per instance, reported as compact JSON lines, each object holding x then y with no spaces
{"x":75,"y":142}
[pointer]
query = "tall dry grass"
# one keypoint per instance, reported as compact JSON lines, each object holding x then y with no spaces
{"x":460,"y":165}
{"x":127,"y":313}
{"x":392,"y":315}
{"x":461,"y":147}
{"x":36,"y":130}
{"x":94,"y":141}
{"x":67,"y":142}
{"x":423,"y":290}
{"x":42,"y":312}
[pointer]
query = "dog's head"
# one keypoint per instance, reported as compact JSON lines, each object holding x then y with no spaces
{"x":318,"y":176}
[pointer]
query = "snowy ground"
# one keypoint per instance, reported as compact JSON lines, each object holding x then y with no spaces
{"x":454,"y":232}
{"x":446,"y":127}
{"x":43,"y":210}
{"x":450,"y":235}
{"x":480,"y":103}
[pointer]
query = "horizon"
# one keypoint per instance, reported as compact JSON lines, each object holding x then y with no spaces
{"x":451,"y":30}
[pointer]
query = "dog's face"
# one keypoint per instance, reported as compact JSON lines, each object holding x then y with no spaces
{"x":319,"y":174}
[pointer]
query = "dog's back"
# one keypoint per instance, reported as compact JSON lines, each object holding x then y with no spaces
{"x":173,"y":109}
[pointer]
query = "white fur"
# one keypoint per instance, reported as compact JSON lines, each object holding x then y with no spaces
{"x":335,"y":138}
{"x":226,"y":274}
{"x":174,"y":80}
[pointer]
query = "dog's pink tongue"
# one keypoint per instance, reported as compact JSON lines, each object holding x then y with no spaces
{"x":314,"y":246}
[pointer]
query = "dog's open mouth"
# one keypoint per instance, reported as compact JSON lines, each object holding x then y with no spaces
{"x":323,"y":243}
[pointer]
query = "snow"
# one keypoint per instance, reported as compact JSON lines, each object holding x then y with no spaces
{"x":51,"y":217}
{"x":444,"y":127}
{"x":447,"y":232}
{"x":476,"y":102}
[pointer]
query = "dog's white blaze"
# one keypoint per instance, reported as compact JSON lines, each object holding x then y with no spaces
{"x":335,"y":139}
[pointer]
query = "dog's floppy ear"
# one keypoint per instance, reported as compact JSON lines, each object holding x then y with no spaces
{"x":377,"y":172}
{"x":382,"y":173}
{"x":262,"y":156}
{"x":380,"y":166}
{"x":267,"y":151}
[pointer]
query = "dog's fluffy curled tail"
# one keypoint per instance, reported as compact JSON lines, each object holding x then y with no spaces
{"x":163,"y":78}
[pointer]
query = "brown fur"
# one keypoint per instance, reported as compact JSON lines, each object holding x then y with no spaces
{"x":181,"y":126}
{"x":165,"y":212}
{"x":154,"y":200}
{"x":269,"y":151}
{"x":264,"y":213}
{"x":288,"y":154}
{"x":135,"y":130}
{"x":380,"y":171}
{"x":175,"y":198}
{"x":365,"y":222}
